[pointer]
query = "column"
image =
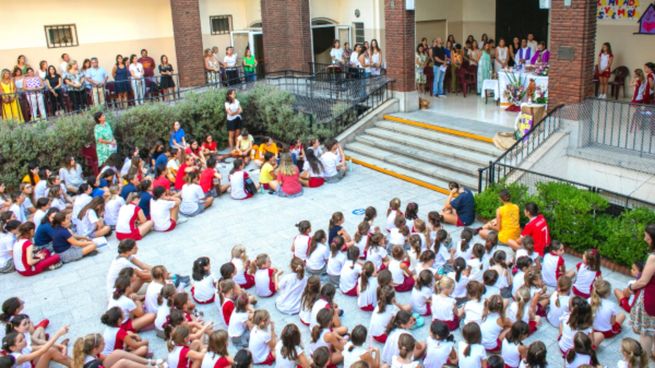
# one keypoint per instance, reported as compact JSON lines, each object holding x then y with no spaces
{"x":188,"y":42}
{"x":286,"y":28}
{"x":400,"y":43}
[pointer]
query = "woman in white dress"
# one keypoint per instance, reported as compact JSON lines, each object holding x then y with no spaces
{"x":376,"y":58}
{"x":502,"y":56}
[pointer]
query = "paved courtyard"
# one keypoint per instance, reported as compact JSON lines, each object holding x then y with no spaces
{"x":75,"y":294}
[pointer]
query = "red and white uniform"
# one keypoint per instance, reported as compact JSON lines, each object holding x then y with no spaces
{"x":265,"y":282}
{"x":603,"y":318}
{"x":349,"y":275}
{"x":421,"y":300}
{"x":258,"y":346}
{"x":244,"y":279}
{"x":474,"y":309}
{"x":20,"y":249}
{"x":376,"y":254}
{"x":126,"y":305}
{"x":238,"y":324}
{"x":556,"y":313}
{"x":301,"y":246}
{"x":537,"y":228}
{"x":179,"y":357}
{"x":318,"y":305}
{"x":226,"y":309}
{"x":367,"y":299}
{"x":290,"y":293}
{"x":213,"y":360}
{"x":566,"y":339}
{"x":379,"y":322}
{"x":126,"y":222}
{"x":114,"y":339}
{"x":361,"y":245}
{"x":510,"y":353}
{"x":551,"y":269}
{"x":584,"y":280}
{"x":490,"y":332}
{"x":204,"y":291}
{"x":437,"y":353}
{"x":391,"y":219}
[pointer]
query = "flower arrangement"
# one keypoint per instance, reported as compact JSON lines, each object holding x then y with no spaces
{"x":541,"y":69}
{"x":515,"y":90}
{"x":540,"y":96}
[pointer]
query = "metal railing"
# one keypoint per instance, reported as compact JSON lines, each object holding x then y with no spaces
{"x":521,"y":149}
{"x":627,"y":126}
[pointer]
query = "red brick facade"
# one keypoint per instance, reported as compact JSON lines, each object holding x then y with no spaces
{"x":400,"y":37}
{"x":287,"y":35}
{"x":188,"y":42}
{"x":571,"y":28}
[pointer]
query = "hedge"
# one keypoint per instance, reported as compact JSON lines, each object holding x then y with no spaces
{"x":267,"y":110}
{"x":578,"y":219}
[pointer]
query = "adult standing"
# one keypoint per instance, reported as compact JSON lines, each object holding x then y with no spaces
{"x":440,"y":67}
{"x":233,"y":114}
{"x":121,"y":76}
{"x":542,"y":56}
{"x":513,"y":49}
{"x":524,"y":54}
{"x":212,"y":67}
{"x":249,"y":66}
{"x":166,"y":83}
{"x":148,"y":64}
{"x":420,"y":61}
{"x":33,"y":86}
{"x":502,"y":56}
{"x":54,"y":83}
{"x":10,"y":107}
{"x":460,"y":206}
{"x":97,"y":77}
{"x":376,"y":58}
{"x":643,"y":312}
{"x":74,"y":81}
{"x":484,"y":66}
{"x":230,"y":64}
{"x":532,"y":43}
{"x":63,"y":66}
{"x":138,"y":83}
{"x":336,"y":53}
{"x":105,"y":142}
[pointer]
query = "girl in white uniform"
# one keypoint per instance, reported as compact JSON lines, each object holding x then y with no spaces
{"x":522,"y":309}
{"x":302,"y":241}
{"x":559,"y":301}
{"x":494,"y":324}
{"x":204,"y":286}
{"x":588,"y":272}
{"x":266,"y":277}
{"x":164,"y":304}
{"x":291,"y":288}
{"x":582,"y":353}
{"x":362,"y":237}
{"x":607,"y":317}
{"x":262,"y":338}
{"x":392,"y":212}
{"x":289,"y":352}
{"x":319,"y":254}
{"x":367,"y":288}
{"x":244,"y":276}
{"x":474,"y":308}
{"x":180,"y":354}
{"x":324,"y":335}
{"x":117,"y":336}
{"x":402,"y":276}
{"x":376,"y":252}
{"x":512,"y":345}
{"x":336,"y":261}
{"x":401,"y":324}
{"x":422,"y":293}
{"x":579,"y":320}
{"x":240,"y":323}
{"x":308,"y":298}
{"x":443,"y":305}
{"x":470,"y":352}
{"x":440,"y":348}
{"x":135,"y":316}
{"x":355,"y":350}
{"x":217,"y":355}
{"x":553,"y":266}
{"x":405,"y":357}
{"x":382,"y":315}
{"x":350,"y":272}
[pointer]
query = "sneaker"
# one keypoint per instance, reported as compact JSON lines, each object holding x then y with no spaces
{"x":55,"y":266}
{"x":44,"y":322}
{"x":182,"y":219}
{"x":442,"y":96}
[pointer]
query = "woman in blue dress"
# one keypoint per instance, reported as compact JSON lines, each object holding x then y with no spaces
{"x":121,"y":80}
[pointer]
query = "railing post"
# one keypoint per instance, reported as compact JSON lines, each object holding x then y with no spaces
{"x":491,"y":173}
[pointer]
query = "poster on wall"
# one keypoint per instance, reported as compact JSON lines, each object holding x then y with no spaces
{"x":618,"y":9}
{"x":647,"y":21}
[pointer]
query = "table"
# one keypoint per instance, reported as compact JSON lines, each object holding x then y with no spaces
{"x":504,"y":80}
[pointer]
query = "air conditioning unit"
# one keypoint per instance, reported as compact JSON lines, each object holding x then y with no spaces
{"x":544,"y":4}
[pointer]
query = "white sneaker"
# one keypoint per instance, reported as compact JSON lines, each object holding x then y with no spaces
{"x":182,"y":219}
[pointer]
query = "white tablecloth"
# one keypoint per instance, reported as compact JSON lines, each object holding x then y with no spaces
{"x":503,"y":81}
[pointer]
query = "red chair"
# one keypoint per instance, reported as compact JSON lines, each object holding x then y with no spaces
{"x":467,"y":76}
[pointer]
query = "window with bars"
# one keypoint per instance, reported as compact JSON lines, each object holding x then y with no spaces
{"x":220,"y":24}
{"x":61,"y":35}
{"x":359,"y":32}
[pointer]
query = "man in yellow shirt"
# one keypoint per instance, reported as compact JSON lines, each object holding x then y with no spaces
{"x":267,"y":174}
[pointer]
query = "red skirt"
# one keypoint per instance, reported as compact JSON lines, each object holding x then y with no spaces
{"x":616,"y":329}
{"x":407,"y":285}
{"x":316,"y":182}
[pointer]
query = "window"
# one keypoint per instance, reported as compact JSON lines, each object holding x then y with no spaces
{"x":220,"y":24}
{"x":359,"y":32}
{"x":63,"y":35}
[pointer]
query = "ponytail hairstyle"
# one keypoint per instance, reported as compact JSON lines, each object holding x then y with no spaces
{"x":519,"y":331}
{"x":440,"y":331}
{"x":633,"y":353}
{"x":353,"y":255}
{"x":368,"y":269}
{"x":524,"y":262}
{"x":10,"y":308}
{"x":336,"y":218}
{"x":112,"y":317}
{"x":401,"y":318}
{"x":239,"y":251}
{"x":490,"y":277}
{"x":394,"y":205}
{"x":227,"y":270}
{"x":536,"y":357}
{"x":434,"y":219}
{"x":319,"y":237}
{"x":166,"y":294}
{"x":176,"y":318}
{"x":491,"y":242}
{"x":474,"y":290}
{"x":178,"y":337}
{"x":362,"y":231}
{"x":236,"y":165}
{"x":357,"y":337}
{"x":310,"y":294}
{"x":446,"y":283}
{"x":582,"y":345}
{"x":84,"y":346}
{"x":427,"y":256}
{"x":370,"y":214}
{"x":320,"y":357}
{"x":298,"y":267}
{"x":478,"y":252}
{"x":9,"y":341}
{"x":472,"y":335}
{"x":411,"y":211}
{"x":600,"y":291}
{"x":555,"y":246}
{"x":406,"y":343}
{"x":440,"y":238}
{"x":121,"y":285}
{"x":158,"y":273}
{"x":218,"y":343}
{"x":499,"y":258}
{"x":290,"y":339}
{"x":564,"y":284}
{"x":495,"y":304}
{"x":425,"y":279}
{"x":592,"y":259}
{"x":386,"y":295}
{"x":241,"y":303}
{"x":377,"y":240}
{"x":304,"y":227}
{"x":225,"y":286}
{"x":336,"y":245}
{"x":580,"y":317}
{"x":327,"y":293}
{"x":415,"y":244}
{"x":323,"y":321}
{"x":397,"y":252}
{"x":15,"y":322}
{"x":384,"y":278}
{"x":459,"y":266}
{"x":522,"y":298}
{"x":199,"y":272}
{"x":528,"y":244}
{"x":465,"y":236}
{"x":260,"y":318}
{"x":180,"y":300}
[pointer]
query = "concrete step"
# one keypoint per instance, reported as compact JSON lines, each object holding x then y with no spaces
{"x":443,"y":138}
{"x":424,"y":153}
{"x":398,"y":169}
{"x":435,"y":149}
{"x":412,"y":165}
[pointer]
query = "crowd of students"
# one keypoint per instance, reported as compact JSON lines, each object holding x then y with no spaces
{"x":497,"y":295}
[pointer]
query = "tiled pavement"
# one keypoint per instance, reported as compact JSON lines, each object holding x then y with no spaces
{"x":75,"y":294}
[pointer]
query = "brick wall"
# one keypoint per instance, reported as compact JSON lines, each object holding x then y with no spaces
{"x":287,"y":34}
{"x":400,"y":44}
{"x":188,"y":42}
{"x":572,"y":27}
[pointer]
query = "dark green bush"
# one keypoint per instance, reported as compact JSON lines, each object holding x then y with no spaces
{"x":267,"y":110}
{"x":624,"y":236}
{"x":488,"y":201}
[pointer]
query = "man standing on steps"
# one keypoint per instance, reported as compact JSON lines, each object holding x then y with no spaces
{"x":460,"y":206}
{"x":440,"y":67}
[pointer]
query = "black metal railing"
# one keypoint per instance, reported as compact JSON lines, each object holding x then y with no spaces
{"x":627,"y":126}
{"x":520,"y":150}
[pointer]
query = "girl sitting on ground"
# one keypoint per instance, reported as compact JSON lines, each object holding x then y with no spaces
{"x":291,"y":288}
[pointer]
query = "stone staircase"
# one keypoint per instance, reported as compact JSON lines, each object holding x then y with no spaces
{"x":426,"y":154}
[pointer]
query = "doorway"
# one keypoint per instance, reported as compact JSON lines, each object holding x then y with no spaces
{"x":258,"y":43}
{"x":518,"y":18}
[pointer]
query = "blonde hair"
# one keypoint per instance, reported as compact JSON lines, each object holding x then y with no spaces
{"x":83,"y":347}
{"x":260,"y":316}
{"x":239,"y":251}
{"x":522,"y":299}
{"x":446,"y":283}
{"x":287,"y":168}
{"x":600,"y":291}
{"x":563,"y":286}
{"x":633,"y":352}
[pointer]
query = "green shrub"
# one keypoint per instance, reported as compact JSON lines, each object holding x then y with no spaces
{"x":267,"y":110}
{"x":488,"y":201}
{"x":572,"y":214}
{"x":624,"y":236}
